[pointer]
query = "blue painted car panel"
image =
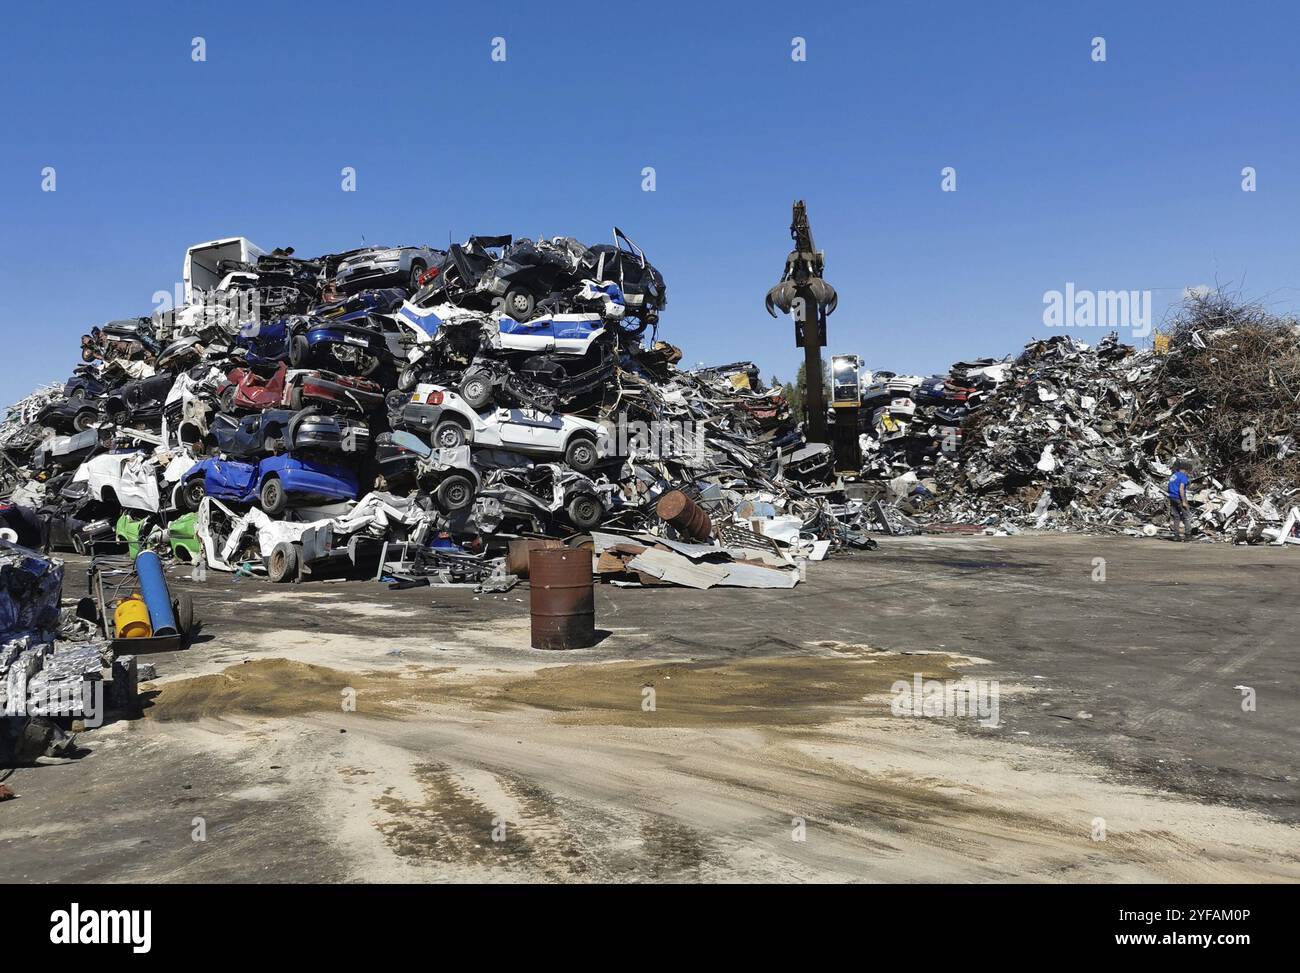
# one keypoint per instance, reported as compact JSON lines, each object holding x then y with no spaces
{"x":266,"y":342}
{"x":360,"y":306}
{"x":317,"y":479}
{"x":561,"y":327}
{"x":427,"y":319}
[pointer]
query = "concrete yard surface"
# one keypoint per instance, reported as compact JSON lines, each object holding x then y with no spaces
{"x":346,"y":732}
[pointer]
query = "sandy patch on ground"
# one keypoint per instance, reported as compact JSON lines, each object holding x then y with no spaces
{"x":779,"y":769}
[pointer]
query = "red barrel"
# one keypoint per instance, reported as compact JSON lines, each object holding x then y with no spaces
{"x":682,"y":512}
{"x":562,"y":599}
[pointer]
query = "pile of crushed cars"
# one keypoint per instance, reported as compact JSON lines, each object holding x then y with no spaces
{"x":1076,"y":437}
{"x":404,"y":414}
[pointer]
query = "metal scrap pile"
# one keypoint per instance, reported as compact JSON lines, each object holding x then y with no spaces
{"x":1078,"y":437}
{"x":47,"y":668}
{"x":402,"y":413}
{"x":1054,"y":446}
{"x":911,"y":425}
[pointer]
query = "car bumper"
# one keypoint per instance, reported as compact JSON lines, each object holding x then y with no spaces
{"x":356,"y":440}
{"x":417,"y":416}
{"x":362,"y":276}
{"x":334,"y":391}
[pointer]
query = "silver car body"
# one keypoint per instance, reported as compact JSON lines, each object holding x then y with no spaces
{"x":376,"y":266}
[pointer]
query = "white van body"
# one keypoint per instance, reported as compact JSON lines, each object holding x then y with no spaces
{"x":203,"y":259}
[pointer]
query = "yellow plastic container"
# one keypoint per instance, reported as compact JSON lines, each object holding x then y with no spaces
{"x":131,"y":619}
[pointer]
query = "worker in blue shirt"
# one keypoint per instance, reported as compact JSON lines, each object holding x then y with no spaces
{"x":1178,"y":508}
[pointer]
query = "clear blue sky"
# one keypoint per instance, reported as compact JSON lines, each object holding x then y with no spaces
{"x":1123,"y":174}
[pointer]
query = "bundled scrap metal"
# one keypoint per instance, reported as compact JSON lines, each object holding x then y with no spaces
{"x":404,"y":412}
{"x":1076,"y":437}
{"x":48,"y":668}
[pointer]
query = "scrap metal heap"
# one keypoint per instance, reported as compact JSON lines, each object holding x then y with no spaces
{"x":1073,"y":437}
{"x":48,"y":665}
{"x":403,"y":413}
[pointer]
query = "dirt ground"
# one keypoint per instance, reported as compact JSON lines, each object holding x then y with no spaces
{"x":345,"y":732}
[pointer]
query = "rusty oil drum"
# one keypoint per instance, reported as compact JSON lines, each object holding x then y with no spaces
{"x":562,"y":599}
{"x":683,"y":513}
{"x":519,"y":549}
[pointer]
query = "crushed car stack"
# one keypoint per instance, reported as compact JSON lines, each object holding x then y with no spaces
{"x":403,"y":413}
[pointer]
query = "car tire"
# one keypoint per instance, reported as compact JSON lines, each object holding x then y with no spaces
{"x":633,"y":330}
{"x":184,"y":609}
{"x":395,"y":400}
{"x":299,"y":350}
{"x":83,"y":420}
{"x":454,"y":493}
{"x":476,"y":390}
{"x":272,"y":496}
{"x":192,"y":494}
{"x":295,"y":398}
{"x":580,"y":453}
{"x":585,"y":511}
{"x":520,"y":304}
{"x":413,"y":282}
{"x":447,"y":434}
{"x":408,"y":379}
{"x":282,"y":564}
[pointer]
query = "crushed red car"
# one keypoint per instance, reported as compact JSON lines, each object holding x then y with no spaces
{"x":343,"y":392}
{"x":247,"y":390}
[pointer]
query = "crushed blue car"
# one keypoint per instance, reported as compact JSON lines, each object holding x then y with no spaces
{"x":269,"y":342}
{"x":360,"y":306}
{"x":565,"y":333}
{"x":356,"y":346}
{"x":270,"y":483}
{"x":353,"y":349}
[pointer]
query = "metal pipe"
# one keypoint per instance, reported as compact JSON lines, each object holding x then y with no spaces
{"x":153,"y":588}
